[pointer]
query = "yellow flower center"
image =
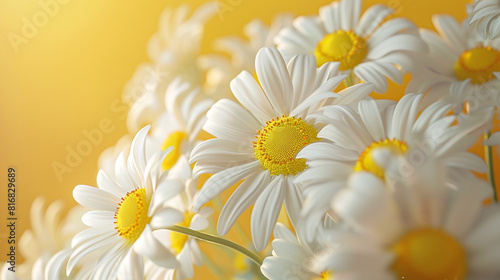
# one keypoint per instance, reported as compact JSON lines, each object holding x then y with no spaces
{"x":178,"y":240}
{"x":343,"y":46}
{"x":478,"y":65}
{"x":132,"y":215}
{"x":367,"y":163}
{"x":429,"y":254}
{"x":173,"y":140}
{"x":325,"y":275}
{"x":279,"y":142}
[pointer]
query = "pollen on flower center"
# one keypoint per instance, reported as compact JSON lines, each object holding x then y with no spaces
{"x":174,"y":140}
{"x":343,"y":46}
{"x":325,"y":275}
{"x":367,"y":163}
{"x":279,"y":142}
{"x":178,"y":240}
{"x":132,"y":215}
{"x":478,"y":65}
{"x":429,"y":254}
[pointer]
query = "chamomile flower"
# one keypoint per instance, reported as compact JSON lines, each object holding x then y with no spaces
{"x":258,"y":140}
{"x":456,"y":235}
{"x":456,"y":56}
{"x":128,"y":210}
{"x":178,"y":126}
{"x":175,"y":53}
{"x":353,"y":141}
{"x":259,"y":36}
{"x":484,"y":18}
{"x":50,"y":233}
{"x":370,"y":47}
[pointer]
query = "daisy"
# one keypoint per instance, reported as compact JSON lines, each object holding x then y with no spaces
{"x":457,"y":56}
{"x":484,"y":18}
{"x":353,"y":140}
{"x":370,"y":47}
{"x":456,"y":235}
{"x":178,"y":126}
{"x":258,"y":140}
{"x":175,"y":53}
{"x":259,"y":35}
{"x":50,"y":233}
{"x":184,"y":247}
{"x":128,"y":209}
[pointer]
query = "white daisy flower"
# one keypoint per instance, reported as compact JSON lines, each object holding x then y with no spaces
{"x":258,"y":140}
{"x":128,"y":210}
{"x":178,"y":126}
{"x":175,"y":51}
{"x":365,"y":46}
{"x":184,"y":247}
{"x":458,"y":56}
{"x":50,"y":233}
{"x":259,"y":35}
{"x":353,"y":141}
{"x":484,"y":18}
{"x":430,"y":231}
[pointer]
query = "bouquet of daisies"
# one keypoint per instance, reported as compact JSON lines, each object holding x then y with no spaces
{"x":342,"y":186}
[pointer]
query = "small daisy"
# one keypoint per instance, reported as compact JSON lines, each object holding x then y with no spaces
{"x":370,"y":47}
{"x":175,"y":53}
{"x":484,"y":18}
{"x":178,"y":126}
{"x":430,"y":231}
{"x":352,"y":141}
{"x":128,"y":210}
{"x":50,"y":233}
{"x":258,"y":140}
{"x":259,"y":35}
{"x":457,"y":56}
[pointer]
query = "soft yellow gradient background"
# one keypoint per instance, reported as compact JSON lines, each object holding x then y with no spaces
{"x":68,"y":76}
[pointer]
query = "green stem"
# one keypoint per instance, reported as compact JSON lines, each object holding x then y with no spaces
{"x":217,"y":240}
{"x":488,"y":156}
{"x":349,"y":81}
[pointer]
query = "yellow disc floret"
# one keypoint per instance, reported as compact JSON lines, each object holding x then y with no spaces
{"x":132,"y":215}
{"x":279,"y":142}
{"x":343,"y":46}
{"x":174,"y":140}
{"x":429,"y":254}
{"x":178,"y":240}
{"x":367,"y":163}
{"x":478,"y":65}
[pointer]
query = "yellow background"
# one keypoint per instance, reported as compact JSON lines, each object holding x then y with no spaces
{"x":66,"y":78}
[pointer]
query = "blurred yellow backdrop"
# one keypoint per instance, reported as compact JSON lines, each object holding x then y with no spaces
{"x":62,"y":74}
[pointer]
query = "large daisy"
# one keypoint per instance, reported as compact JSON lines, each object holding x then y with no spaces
{"x":128,"y":210}
{"x":370,"y":47}
{"x":484,"y":18}
{"x":457,"y":55}
{"x":258,"y":140}
{"x":354,"y":140}
{"x":430,"y":231}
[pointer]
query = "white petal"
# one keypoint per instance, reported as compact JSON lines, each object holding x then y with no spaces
{"x":95,"y":198}
{"x":251,"y":96}
{"x":265,"y":213}
{"x":223,"y":180}
{"x":166,"y":217}
{"x":147,"y":245}
{"x":275,"y":79}
{"x":99,"y":218}
{"x":244,"y":196}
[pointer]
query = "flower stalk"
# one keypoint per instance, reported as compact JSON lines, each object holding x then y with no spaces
{"x":217,"y":240}
{"x":488,"y":156}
